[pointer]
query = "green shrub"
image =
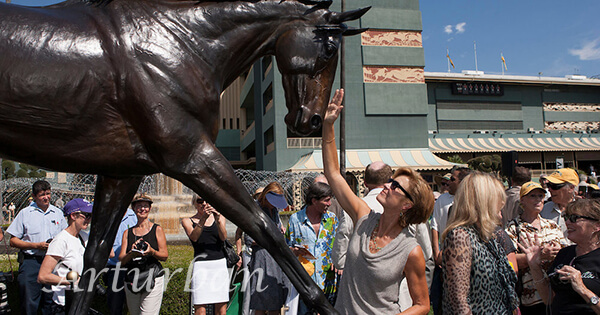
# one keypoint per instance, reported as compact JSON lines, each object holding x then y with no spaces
{"x":175,"y":299}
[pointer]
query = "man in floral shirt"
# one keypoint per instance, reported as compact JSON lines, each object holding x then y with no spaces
{"x":310,"y":234}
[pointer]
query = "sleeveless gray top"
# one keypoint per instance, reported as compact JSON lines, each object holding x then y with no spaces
{"x":371,"y":282}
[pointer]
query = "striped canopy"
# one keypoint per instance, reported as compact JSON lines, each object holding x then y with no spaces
{"x":418,"y":159}
{"x":522,"y":143}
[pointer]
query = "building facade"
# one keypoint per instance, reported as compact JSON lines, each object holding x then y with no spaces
{"x":398,"y":113}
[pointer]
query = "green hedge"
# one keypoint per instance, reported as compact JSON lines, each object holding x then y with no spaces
{"x":175,"y":299}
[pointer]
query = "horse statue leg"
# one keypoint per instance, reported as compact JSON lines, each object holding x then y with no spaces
{"x":111,"y":199}
{"x":208,"y":173}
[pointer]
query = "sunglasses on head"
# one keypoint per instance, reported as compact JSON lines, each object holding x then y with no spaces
{"x":199,"y":201}
{"x":452,"y":179}
{"x":394,"y":184}
{"x":85,"y":214}
{"x":574,"y":217}
{"x":556,"y":186}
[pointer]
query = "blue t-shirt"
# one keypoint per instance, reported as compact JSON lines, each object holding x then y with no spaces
{"x":128,"y":221}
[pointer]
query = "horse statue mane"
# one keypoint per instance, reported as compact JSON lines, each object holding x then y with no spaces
{"x":129,"y":88}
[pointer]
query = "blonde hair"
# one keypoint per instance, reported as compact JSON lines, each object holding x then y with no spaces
{"x":477,"y":203}
{"x":421,"y":194}
{"x":194,"y":197}
{"x":271,"y":187}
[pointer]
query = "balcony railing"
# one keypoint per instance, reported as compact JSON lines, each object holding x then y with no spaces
{"x":304,"y":143}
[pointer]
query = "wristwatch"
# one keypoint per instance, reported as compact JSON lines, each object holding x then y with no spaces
{"x":594,"y":300}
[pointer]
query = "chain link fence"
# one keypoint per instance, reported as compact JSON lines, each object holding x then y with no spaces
{"x":16,"y":192}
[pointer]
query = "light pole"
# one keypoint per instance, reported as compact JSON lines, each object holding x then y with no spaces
{"x":342,"y":114}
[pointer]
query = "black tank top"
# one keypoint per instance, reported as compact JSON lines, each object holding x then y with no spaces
{"x":209,"y":245}
{"x":147,"y":261}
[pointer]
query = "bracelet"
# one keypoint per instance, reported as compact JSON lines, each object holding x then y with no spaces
{"x":330,"y":140}
{"x":541,"y":280}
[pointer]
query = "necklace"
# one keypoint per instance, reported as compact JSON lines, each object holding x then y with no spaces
{"x":373,"y":247}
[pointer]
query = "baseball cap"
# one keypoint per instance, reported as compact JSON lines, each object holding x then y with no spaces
{"x":593,"y":186}
{"x":528,"y":187}
{"x":141,"y":197}
{"x":277,"y":200}
{"x":438,"y":179}
{"x":77,"y":205}
{"x":564,"y":175}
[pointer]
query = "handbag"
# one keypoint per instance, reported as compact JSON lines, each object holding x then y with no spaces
{"x":231,"y":256}
{"x":142,"y":281}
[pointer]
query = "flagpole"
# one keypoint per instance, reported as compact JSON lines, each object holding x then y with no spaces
{"x":475,"y":49}
{"x":448,"y":58}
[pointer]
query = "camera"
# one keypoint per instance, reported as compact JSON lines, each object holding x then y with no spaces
{"x":555,"y":276}
{"x":141,"y":246}
{"x":6,"y":277}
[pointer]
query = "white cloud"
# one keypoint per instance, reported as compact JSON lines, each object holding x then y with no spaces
{"x":448,"y":29}
{"x":589,"y":51}
{"x":460,"y":27}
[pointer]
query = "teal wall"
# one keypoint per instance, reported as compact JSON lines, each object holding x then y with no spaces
{"x":377,"y":115}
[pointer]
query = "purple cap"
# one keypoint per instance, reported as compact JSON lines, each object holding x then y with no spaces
{"x":77,"y":205}
{"x":277,"y":200}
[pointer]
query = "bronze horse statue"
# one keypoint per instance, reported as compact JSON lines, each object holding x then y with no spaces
{"x":128,"y":88}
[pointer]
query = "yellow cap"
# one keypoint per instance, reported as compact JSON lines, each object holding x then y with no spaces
{"x":564,"y":175}
{"x":594,"y":187}
{"x":528,"y":187}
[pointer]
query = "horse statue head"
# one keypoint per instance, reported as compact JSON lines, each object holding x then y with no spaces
{"x":307,"y":58}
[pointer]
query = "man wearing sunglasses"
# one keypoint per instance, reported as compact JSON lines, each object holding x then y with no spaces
{"x":561,"y":184}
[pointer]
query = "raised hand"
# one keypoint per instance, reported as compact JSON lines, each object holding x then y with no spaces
{"x":532,"y":249}
{"x":335,"y":106}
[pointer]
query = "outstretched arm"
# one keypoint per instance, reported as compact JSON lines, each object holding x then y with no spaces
{"x":353,"y":205}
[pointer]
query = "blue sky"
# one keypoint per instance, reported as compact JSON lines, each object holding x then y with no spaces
{"x":554,"y":37}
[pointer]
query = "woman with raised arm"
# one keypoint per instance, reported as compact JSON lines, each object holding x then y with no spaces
{"x":381,"y":252}
{"x":210,"y":278}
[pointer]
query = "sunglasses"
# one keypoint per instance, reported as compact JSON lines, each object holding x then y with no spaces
{"x":199,"y":201}
{"x":445,"y":184}
{"x":574,"y":217}
{"x":394,"y":184}
{"x":85,"y":215}
{"x":556,"y":186}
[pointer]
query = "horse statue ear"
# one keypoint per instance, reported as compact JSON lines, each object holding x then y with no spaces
{"x":354,"y":31}
{"x":348,"y":15}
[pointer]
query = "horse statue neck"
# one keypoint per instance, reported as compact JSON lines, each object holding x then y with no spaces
{"x":227,"y":46}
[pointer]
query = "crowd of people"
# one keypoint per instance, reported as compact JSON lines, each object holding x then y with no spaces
{"x":473,"y":247}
